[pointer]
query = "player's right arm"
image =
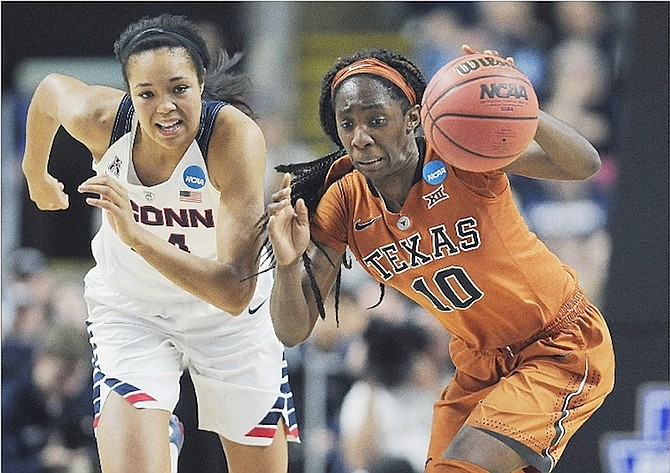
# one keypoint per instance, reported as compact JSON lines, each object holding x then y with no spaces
{"x":86,"y":112}
{"x":293,"y":305}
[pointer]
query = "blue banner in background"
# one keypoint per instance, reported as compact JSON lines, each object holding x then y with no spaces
{"x":647,"y":449}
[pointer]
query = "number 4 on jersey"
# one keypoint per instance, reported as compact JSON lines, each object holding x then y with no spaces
{"x":179,"y":240}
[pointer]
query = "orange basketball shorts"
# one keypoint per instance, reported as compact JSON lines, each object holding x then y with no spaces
{"x":533,"y":400}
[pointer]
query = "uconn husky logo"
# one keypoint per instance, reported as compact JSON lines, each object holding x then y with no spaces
{"x":194,"y":177}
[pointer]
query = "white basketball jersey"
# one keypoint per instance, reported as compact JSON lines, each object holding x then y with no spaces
{"x":181,"y":210}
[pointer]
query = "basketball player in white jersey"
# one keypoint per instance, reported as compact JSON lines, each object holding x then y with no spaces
{"x":177,"y":178}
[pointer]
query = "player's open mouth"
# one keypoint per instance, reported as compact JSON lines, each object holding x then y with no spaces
{"x":169,"y":127}
{"x":369,"y":162}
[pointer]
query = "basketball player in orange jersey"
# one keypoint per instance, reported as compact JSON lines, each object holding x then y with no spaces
{"x":533,"y":356}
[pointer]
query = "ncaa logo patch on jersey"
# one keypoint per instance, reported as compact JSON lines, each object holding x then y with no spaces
{"x":194,"y":177}
{"x":434,"y":172}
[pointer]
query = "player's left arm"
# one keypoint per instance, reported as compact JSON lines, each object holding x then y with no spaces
{"x":558,"y":152}
{"x":236,"y":165}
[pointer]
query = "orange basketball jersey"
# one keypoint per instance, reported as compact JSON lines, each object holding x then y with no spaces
{"x":459,"y":247}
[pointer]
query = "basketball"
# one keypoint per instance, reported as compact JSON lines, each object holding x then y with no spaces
{"x":479,"y":112}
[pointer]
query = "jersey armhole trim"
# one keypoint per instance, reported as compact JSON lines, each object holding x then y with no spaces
{"x":210,"y":109}
{"x":124,"y":119}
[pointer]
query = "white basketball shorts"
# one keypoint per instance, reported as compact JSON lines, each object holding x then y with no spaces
{"x":140,"y":349}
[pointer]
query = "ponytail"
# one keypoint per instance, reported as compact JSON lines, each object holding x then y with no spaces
{"x":227,"y":86}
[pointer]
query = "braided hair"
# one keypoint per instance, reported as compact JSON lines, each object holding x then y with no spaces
{"x":308,"y":179}
{"x":177,"y":31}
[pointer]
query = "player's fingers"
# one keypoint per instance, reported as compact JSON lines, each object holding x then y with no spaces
{"x":276,"y":207}
{"x":104,"y":191}
{"x":105,"y":181}
{"x":94,"y":180}
{"x":61,"y":205}
{"x":467,"y":49}
{"x":272,"y":209}
{"x":301,"y":212}
{"x":282,"y":194}
{"x":272,"y":222}
{"x":59,"y":201}
{"x":104,"y":204}
{"x":107,"y":188}
{"x":275,"y":227}
{"x":286,"y":180}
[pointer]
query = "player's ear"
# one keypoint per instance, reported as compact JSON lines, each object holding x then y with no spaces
{"x":413,"y":118}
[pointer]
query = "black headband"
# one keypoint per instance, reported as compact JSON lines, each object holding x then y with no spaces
{"x":132,"y":42}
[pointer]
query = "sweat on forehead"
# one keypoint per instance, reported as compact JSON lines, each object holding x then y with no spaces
{"x":367,"y":90}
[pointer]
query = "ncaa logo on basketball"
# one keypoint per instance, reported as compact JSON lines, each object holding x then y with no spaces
{"x":503,"y":91}
{"x":194,"y":177}
{"x":434,"y":172}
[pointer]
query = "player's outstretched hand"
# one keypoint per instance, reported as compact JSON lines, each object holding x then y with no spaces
{"x":288,"y":227}
{"x":48,"y":193}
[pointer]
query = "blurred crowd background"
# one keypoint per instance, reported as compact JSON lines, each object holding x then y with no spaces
{"x":364,"y":389}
